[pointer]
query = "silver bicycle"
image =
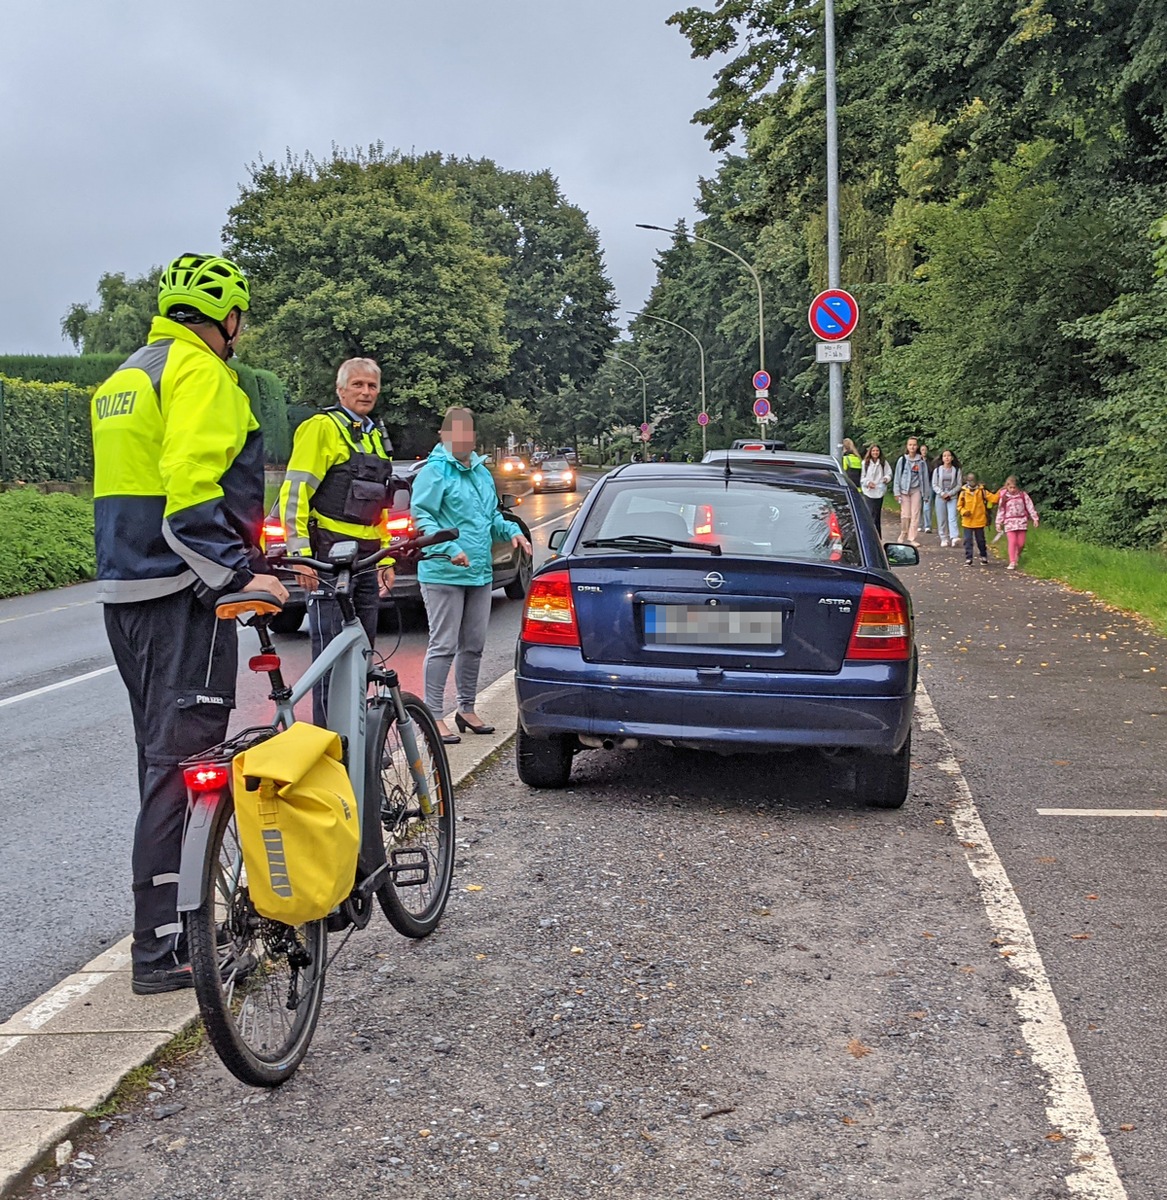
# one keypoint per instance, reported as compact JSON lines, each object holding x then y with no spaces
{"x":259,"y":983}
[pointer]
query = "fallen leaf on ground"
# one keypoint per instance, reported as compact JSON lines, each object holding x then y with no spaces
{"x":1091,"y":896}
{"x":1081,"y":937}
{"x":1126,"y":1128}
{"x":848,"y":1120}
{"x":473,"y":887}
{"x":857,"y":1049}
{"x":1055,"y":1137}
{"x":577,"y":950}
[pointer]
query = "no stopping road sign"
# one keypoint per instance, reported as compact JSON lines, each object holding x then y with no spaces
{"x":833,"y":315}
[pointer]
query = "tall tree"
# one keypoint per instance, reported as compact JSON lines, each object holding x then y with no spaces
{"x":121,"y":319}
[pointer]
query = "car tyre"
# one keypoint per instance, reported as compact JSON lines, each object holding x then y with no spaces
{"x":883,"y":779}
{"x":517,"y":588}
{"x":543,"y":762}
{"x":288,"y":621}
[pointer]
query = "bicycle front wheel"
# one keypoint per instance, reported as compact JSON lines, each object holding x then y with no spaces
{"x":419,"y":845}
{"x":260,"y":984}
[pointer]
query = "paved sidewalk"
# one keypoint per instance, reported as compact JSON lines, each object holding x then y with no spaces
{"x":67,"y":1051}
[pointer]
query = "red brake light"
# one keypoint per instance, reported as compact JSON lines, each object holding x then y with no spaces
{"x":753,"y":446}
{"x":549,"y":614}
{"x":206,"y":777}
{"x":836,"y":536}
{"x":399,"y":525}
{"x":273,"y":530}
{"x":704,"y":522}
{"x":883,"y":627}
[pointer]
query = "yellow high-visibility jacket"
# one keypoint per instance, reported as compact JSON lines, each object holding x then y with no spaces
{"x":178,"y":472}
{"x":331,"y":441}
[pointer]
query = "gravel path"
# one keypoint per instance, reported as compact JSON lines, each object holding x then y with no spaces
{"x":682,"y":976}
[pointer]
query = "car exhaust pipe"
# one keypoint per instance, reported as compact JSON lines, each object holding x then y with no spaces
{"x":608,"y":743}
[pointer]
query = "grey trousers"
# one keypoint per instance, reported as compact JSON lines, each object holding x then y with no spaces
{"x":458,"y":617}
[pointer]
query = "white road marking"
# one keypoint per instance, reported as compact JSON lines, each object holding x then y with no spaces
{"x":53,"y":1002}
{"x":43,"y":611}
{"x":1102,"y":812}
{"x":52,"y":687}
{"x":1068,"y":1104}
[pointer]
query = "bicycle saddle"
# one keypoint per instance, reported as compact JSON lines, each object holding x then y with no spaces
{"x":227,"y":608}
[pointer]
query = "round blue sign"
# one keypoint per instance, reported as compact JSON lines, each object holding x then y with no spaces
{"x":761,"y":380}
{"x":761,"y":408}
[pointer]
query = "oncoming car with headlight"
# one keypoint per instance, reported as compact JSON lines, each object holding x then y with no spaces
{"x":553,"y":475}
{"x":733,"y":606}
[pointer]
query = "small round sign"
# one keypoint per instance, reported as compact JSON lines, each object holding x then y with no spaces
{"x":761,"y":380}
{"x":702,"y":418}
{"x":645,"y":427}
{"x":833,"y":315}
{"x":761,"y":408}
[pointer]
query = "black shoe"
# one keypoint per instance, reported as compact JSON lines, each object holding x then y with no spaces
{"x":450,"y":739}
{"x":469,"y":727}
{"x":162,"y":979}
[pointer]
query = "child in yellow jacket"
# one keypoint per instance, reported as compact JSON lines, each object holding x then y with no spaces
{"x":973,"y":504}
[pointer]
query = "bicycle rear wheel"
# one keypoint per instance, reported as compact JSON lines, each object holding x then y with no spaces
{"x":260,"y":984}
{"x":419,"y":846}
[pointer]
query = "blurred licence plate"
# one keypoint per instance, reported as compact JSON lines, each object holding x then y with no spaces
{"x":700,"y":625}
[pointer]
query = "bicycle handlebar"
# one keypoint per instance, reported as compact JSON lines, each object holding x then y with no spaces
{"x":400,"y":548}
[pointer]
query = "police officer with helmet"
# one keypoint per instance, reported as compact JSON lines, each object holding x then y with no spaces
{"x":337,"y":488}
{"x":178,"y":503}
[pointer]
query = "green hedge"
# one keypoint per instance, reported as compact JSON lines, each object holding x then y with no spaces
{"x":84,"y":370}
{"x":45,"y":541}
{"x":44,"y":431}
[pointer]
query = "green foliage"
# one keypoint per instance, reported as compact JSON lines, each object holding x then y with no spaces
{"x":45,"y":541}
{"x":513,"y":417}
{"x":44,"y":431}
{"x":361,"y":256}
{"x":269,"y":403}
{"x":121,"y":320}
{"x":84,"y":370}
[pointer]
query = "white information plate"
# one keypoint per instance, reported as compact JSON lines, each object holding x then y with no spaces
{"x":829,"y":352}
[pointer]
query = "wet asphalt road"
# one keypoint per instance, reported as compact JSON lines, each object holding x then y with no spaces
{"x":68,"y":788}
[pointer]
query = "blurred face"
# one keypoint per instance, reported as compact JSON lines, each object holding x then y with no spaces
{"x":360,"y":393}
{"x":971,"y":479}
{"x":460,"y":437}
{"x":913,"y":446}
{"x":875,"y":452}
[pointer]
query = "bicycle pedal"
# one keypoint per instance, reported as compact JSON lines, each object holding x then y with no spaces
{"x":414,"y":863}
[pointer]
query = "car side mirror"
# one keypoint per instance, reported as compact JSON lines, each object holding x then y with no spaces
{"x":557,"y":538}
{"x":901,"y":554}
{"x":507,"y":502}
{"x":400,"y":499}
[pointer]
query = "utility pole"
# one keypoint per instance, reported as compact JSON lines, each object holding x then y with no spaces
{"x":836,"y":369}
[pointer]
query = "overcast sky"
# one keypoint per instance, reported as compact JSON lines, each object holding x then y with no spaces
{"x":128,"y":127}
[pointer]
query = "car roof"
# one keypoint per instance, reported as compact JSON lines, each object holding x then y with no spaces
{"x":793,"y":457}
{"x":816,"y":469}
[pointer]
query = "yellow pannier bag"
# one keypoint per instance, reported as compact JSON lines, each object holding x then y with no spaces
{"x":298,"y":830}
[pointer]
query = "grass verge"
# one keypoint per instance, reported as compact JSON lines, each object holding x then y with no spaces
{"x":1135,"y":580}
{"x":46,"y":541}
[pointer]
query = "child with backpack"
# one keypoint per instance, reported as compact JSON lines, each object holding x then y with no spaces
{"x":1014,"y":514}
{"x":973,"y":503}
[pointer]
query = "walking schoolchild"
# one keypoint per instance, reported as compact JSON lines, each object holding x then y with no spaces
{"x":946,"y":481}
{"x":873,"y":480}
{"x":913,"y":489}
{"x":973,"y":503}
{"x":1015,"y":511}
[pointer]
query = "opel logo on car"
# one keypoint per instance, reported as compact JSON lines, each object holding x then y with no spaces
{"x":715,"y":579}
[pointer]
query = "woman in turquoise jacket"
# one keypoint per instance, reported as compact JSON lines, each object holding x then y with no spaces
{"x":454,"y":490}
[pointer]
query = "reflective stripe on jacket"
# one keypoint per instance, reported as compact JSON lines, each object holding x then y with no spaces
{"x":320,"y":445}
{"x":448,"y":494}
{"x":178,"y":472}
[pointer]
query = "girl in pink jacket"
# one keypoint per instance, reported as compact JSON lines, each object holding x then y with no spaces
{"x":1014,"y":512}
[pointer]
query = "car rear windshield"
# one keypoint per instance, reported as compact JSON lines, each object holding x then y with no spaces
{"x":554,"y":464}
{"x":744,"y":517}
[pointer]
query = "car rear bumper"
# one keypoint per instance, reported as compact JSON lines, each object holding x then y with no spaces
{"x":865,"y":707}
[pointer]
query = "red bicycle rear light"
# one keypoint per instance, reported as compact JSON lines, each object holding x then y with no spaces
{"x":206,"y":777}
{"x":263,"y":662}
{"x":549,"y":616}
{"x":883,"y":627}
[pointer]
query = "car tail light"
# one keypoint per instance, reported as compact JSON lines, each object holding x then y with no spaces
{"x":704,"y":522}
{"x":883,"y":626}
{"x":399,"y":526}
{"x":273,"y":530}
{"x":206,"y":777}
{"x":549,"y":616}
{"x":753,"y":446}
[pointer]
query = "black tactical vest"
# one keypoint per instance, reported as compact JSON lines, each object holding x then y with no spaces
{"x":358,"y":489}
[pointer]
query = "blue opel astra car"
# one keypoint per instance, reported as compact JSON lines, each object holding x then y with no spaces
{"x":745,"y":604}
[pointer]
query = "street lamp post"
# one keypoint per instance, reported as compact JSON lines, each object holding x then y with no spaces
{"x":643,"y":383}
{"x":701,"y":348}
{"x":757,"y":283}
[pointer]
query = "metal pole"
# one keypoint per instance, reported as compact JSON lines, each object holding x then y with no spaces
{"x":835,"y":369}
{"x":643,"y":383}
{"x":700,"y":347}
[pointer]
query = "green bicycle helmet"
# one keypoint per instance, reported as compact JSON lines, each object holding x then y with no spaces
{"x":211,"y":284}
